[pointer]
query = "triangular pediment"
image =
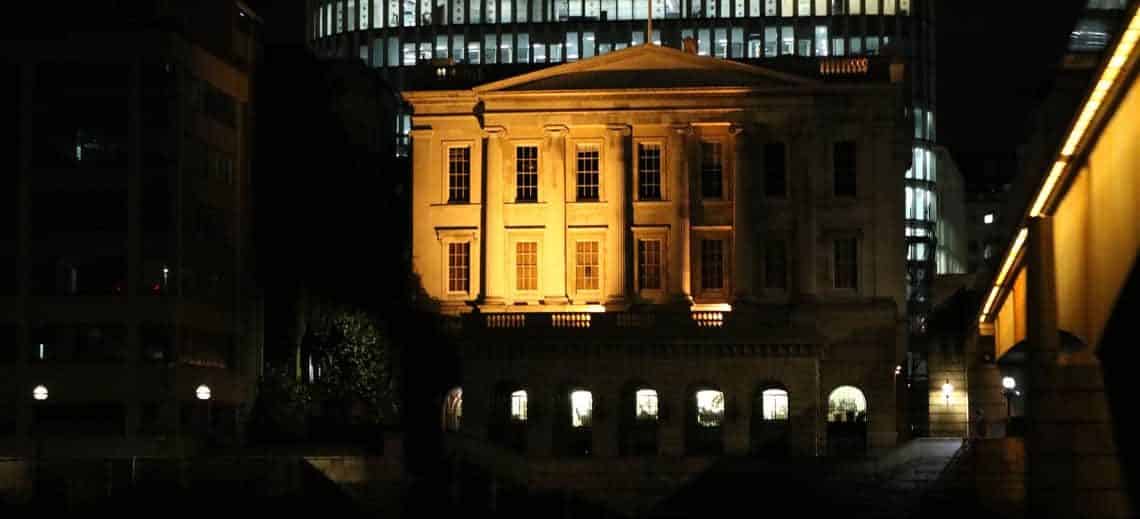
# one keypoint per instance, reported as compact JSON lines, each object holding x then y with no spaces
{"x":647,"y":67}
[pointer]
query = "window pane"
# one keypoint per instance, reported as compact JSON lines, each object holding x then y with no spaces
{"x":775,"y":404}
{"x":775,"y":174}
{"x":458,"y":174}
{"x":712,"y":264}
{"x":649,"y":264}
{"x":821,"y":40}
{"x":526,"y":173}
{"x":787,"y":41}
{"x":581,"y":409}
{"x":526,"y":266}
{"x":586,"y":265}
{"x":846,"y":266}
{"x":649,"y":171}
{"x":710,"y":408}
{"x":711,"y":178}
{"x":646,"y":408}
{"x":843,"y":159}
{"x":587,"y":173}
{"x":518,"y":406}
{"x":458,"y":266}
{"x":776,"y":264}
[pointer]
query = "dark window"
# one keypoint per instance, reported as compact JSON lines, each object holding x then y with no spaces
{"x":712,"y":264}
{"x":775,"y":170}
{"x":588,"y":173}
{"x":649,"y":264}
{"x":844,"y":163}
{"x":526,"y":174}
{"x":712,"y":185}
{"x":776,"y":264}
{"x":846,"y":263}
{"x":649,"y":171}
{"x":459,"y":175}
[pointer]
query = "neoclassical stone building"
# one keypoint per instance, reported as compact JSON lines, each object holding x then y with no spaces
{"x":652,"y":253}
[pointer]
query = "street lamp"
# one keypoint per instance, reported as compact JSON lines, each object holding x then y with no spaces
{"x":40,"y":392}
{"x":1008,"y":385}
{"x":203,"y":392}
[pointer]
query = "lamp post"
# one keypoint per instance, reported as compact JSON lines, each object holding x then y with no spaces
{"x":40,"y":394}
{"x":1008,"y":385}
{"x":203,"y":394}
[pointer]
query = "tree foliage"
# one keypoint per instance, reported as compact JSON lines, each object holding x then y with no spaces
{"x":357,"y":361}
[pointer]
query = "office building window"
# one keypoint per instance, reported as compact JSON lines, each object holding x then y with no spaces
{"x":843,"y":161}
{"x":649,"y":264}
{"x":846,"y":263}
{"x":649,"y":171}
{"x":526,"y":265}
{"x":458,"y":266}
{"x":712,"y":264}
{"x":712,"y":185}
{"x":771,"y":45}
{"x":787,"y":41}
{"x":526,"y":174}
{"x":586,"y":265}
{"x":588,"y":173}
{"x":775,"y":170}
{"x":776,"y":264}
{"x":459,"y":175}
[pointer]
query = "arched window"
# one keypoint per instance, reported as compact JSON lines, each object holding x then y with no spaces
{"x":518,"y":406}
{"x":846,"y":404}
{"x":710,"y":408}
{"x":453,"y":409}
{"x":775,"y":404}
{"x":581,"y":409}
{"x":646,"y":405}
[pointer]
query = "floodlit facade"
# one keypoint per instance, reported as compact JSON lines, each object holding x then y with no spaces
{"x":653,"y":253}
{"x":128,"y":324}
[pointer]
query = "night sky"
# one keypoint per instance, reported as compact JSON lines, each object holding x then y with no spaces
{"x":996,"y":61}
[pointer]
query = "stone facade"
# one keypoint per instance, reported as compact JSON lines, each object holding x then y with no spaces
{"x":786,"y":307}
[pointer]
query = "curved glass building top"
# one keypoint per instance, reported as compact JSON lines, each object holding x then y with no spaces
{"x":397,"y":33}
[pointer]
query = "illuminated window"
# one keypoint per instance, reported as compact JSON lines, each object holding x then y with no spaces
{"x":712,"y":264}
{"x":775,"y":402}
{"x":649,"y":171}
{"x":526,"y":265}
{"x":821,"y":7}
{"x":710,"y":408}
{"x":803,"y":8}
{"x":787,"y":8}
{"x":843,"y":162}
{"x":988,"y":218}
{"x":646,"y":405}
{"x":846,"y":404}
{"x":712,"y":182}
{"x":581,"y":409}
{"x":586,"y":265}
{"x":846,"y":264}
{"x":771,"y":45}
{"x":821,"y":40}
{"x":453,"y":410}
{"x":855,"y":6}
{"x":872,"y":6}
{"x":526,"y":174}
{"x":649,"y":264}
{"x":769,"y":7}
{"x":787,"y":41}
{"x":458,"y":266}
{"x":588,"y":173}
{"x":888,"y":7}
{"x":458,"y":175}
{"x":838,"y":6}
{"x":775,"y":170}
{"x":518,"y":406}
{"x":776,"y":264}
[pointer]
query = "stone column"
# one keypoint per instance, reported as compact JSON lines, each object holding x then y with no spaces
{"x":494,"y":249}
{"x":743,"y":234}
{"x":617,"y":175}
{"x":554,"y":174}
{"x":800,"y":171}
{"x":678,"y":191}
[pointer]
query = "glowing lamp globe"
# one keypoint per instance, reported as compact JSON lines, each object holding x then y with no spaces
{"x":40,"y":393}
{"x":203,"y":392}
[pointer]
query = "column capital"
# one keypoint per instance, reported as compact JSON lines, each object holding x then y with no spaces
{"x":682,"y":129}
{"x":494,"y":132}
{"x":622,"y":130}
{"x":554,"y":130}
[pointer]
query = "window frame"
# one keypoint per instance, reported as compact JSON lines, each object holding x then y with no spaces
{"x":662,"y":179}
{"x":722,"y":293}
{"x":720,"y":143}
{"x":467,"y":267}
{"x":766,"y":251}
{"x":518,"y":173}
{"x":835,"y":169}
{"x":471,"y":173}
{"x":514,"y":237}
{"x":597,"y":146}
{"x":451,"y":236}
{"x":586,"y":295}
{"x":768,"y":147}
{"x":660,"y":235}
{"x":835,"y":262}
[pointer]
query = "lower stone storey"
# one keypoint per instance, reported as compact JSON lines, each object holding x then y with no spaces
{"x":680,"y":399}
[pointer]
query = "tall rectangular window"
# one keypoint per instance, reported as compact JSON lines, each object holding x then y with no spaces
{"x":586,"y":265}
{"x":776,"y":264}
{"x":846,"y":263}
{"x":712,"y":264}
{"x":843,"y":158}
{"x":526,"y":174}
{"x":526,"y":265}
{"x":821,"y":40}
{"x":588,"y":173}
{"x":854,"y":6}
{"x":649,"y":171}
{"x":769,"y":7}
{"x":712,"y":182}
{"x":458,"y":266}
{"x":771,"y":46}
{"x":459,"y":175}
{"x":803,"y":8}
{"x":787,"y":41}
{"x":775,"y":170}
{"x":649,"y":264}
